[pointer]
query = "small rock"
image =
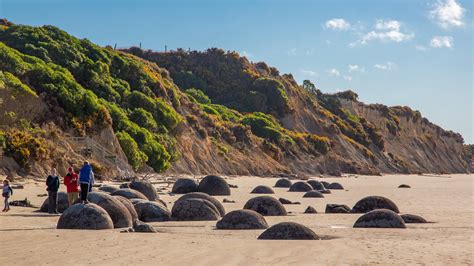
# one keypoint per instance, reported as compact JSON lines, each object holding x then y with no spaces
{"x":141,"y":227}
{"x":404,"y":186}
{"x":337,"y":208}
{"x":310,"y":210}
{"x":228,"y":201}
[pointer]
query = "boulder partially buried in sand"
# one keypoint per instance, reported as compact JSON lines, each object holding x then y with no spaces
{"x":194,"y":209}
{"x":263,"y":190}
{"x":266,"y":205}
{"x":200,"y":195}
{"x":129,"y":194}
{"x":310,"y":210}
{"x":380,"y":218}
{"x":214,"y":186}
{"x":128,"y":204}
{"x":300,"y":186}
{"x":413,"y":219}
{"x":370,"y":203}
{"x":325,"y":183}
{"x":141,"y":227}
{"x":337,"y":208}
{"x":289,"y":231}
{"x":316,"y":184}
{"x":85,"y":216}
{"x":335,"y":186}
{"x":185,"y":185}
{"x":404,"y":186}
{"x":283,"y":182}
{"x":146,"y":188}
{"x":63,"y":203}
{"x":152,"y":211}
{"x":117,"y":211}
{"x":313,"y":194}
{"x":108,"y":189}
{"x":242,"y":219}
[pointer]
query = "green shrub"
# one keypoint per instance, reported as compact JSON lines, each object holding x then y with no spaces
{"x":23,"y":147}
{"x":198,"y":95}
{"x":136,"y":158}
{"x":321,"y":144}
{"x":144,"y":119}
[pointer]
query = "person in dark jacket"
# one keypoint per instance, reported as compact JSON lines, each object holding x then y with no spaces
{"x":52,"y":183}
{"x":86,"y":180}
{"x":7,"y":192}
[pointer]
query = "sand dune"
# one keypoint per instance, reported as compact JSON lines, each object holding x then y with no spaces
{"x":28,"y":237}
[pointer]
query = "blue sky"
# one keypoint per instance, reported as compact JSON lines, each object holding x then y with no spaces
{"x":395,"y":52}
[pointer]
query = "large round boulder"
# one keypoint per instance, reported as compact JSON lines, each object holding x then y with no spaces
{"x":242,"y":219}
{"x":266,"y":205}
{"x":214,"y":186}
{"x":263,"y":190}
{"x":316,"y":184}
{"x":108,"y":189}
{"x":194,"y":209}
{"x":119,"y":214}
{"x":152,"y":211}
{"x":129,"y":194}
{"x":185,"y":185}
{"x":300,"y":186}
{"x":413,"y":219}
{"x":85,"y":216}
{"x":380,"y":218}
{"x":370,"y":203}
{"x":283,"y":182}
{"x":146,"y":188}
{"x":200,"y":195}
{"x":335,"y":186}
{"x":128,"y":204}
{"x":313,"y":194}
{"x":63,"y":203}
{"x":289,"y":231}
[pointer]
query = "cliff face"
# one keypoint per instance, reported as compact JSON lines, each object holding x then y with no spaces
{"x":196,"y":113}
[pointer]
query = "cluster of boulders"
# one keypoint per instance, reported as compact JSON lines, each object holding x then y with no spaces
{"x":212,"y":185}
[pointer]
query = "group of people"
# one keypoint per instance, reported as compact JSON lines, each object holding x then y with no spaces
{"x":76,"y":185}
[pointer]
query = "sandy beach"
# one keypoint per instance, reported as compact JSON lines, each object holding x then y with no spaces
{"x":29,"y":237}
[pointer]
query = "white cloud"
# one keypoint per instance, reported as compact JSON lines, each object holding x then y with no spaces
{"x":291,"y":52}
{"x":386,"y":66}
{"x":442,"y":41}
{"x":309,"y":73}
{"x":334,"y":72}
{"x":337,"y":24}
{"x":355,"y":68}
{"x":385,"y":31}
{"x":246,"y":54}
{"x":348,"y":78}
{"x":311,"y":51}
{"x":448,"y":13}
{"x":420,"y":48}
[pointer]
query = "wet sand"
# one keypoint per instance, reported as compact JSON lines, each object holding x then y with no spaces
{"x":29,"y":237}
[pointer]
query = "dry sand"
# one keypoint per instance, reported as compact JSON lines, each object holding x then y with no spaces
{"x":28,"y":237}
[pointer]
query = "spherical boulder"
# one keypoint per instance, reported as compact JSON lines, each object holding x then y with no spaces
{"x":214,"y":186}
{"x":266,"y":205}
{"x":85,"y":216}
{"x":289,"y":231}
{"x":283,"y":182}
{"x":380,"y":218}
{"x":117,"y":211}
{"x":129,"y":193}
{"x":313,"y":194}
{"x":146,"y":188}
{"x":200,"y":195}
{"x":337,"y":208}
{"x":310,"y":210}
{"x":185,"y":185}
{"x":263,"y":190}
{"x":370,"y":203}
{"x":128,"y":204}
{"x":194,"y":209}
{"x":242,"y":219}
{"x":404,"y":186}
{"x":152,"y":211}
{"x":413,"y":219}
{"x":108,"y":189}
{"x":63,"y":203}
{"x":300,"y":186}
{"x":316,"y":184}
{"x":336,"y":186}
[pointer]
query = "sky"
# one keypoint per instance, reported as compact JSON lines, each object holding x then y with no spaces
{"x":417,"y":53}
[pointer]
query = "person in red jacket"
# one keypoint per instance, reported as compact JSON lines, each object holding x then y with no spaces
{"x":70,"y":181}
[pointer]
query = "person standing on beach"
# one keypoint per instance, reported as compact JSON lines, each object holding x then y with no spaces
{"x":72,"y":187}
{"x":7,"y":192}
{"x":86,"y":180}
{"x":52,"y":183}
